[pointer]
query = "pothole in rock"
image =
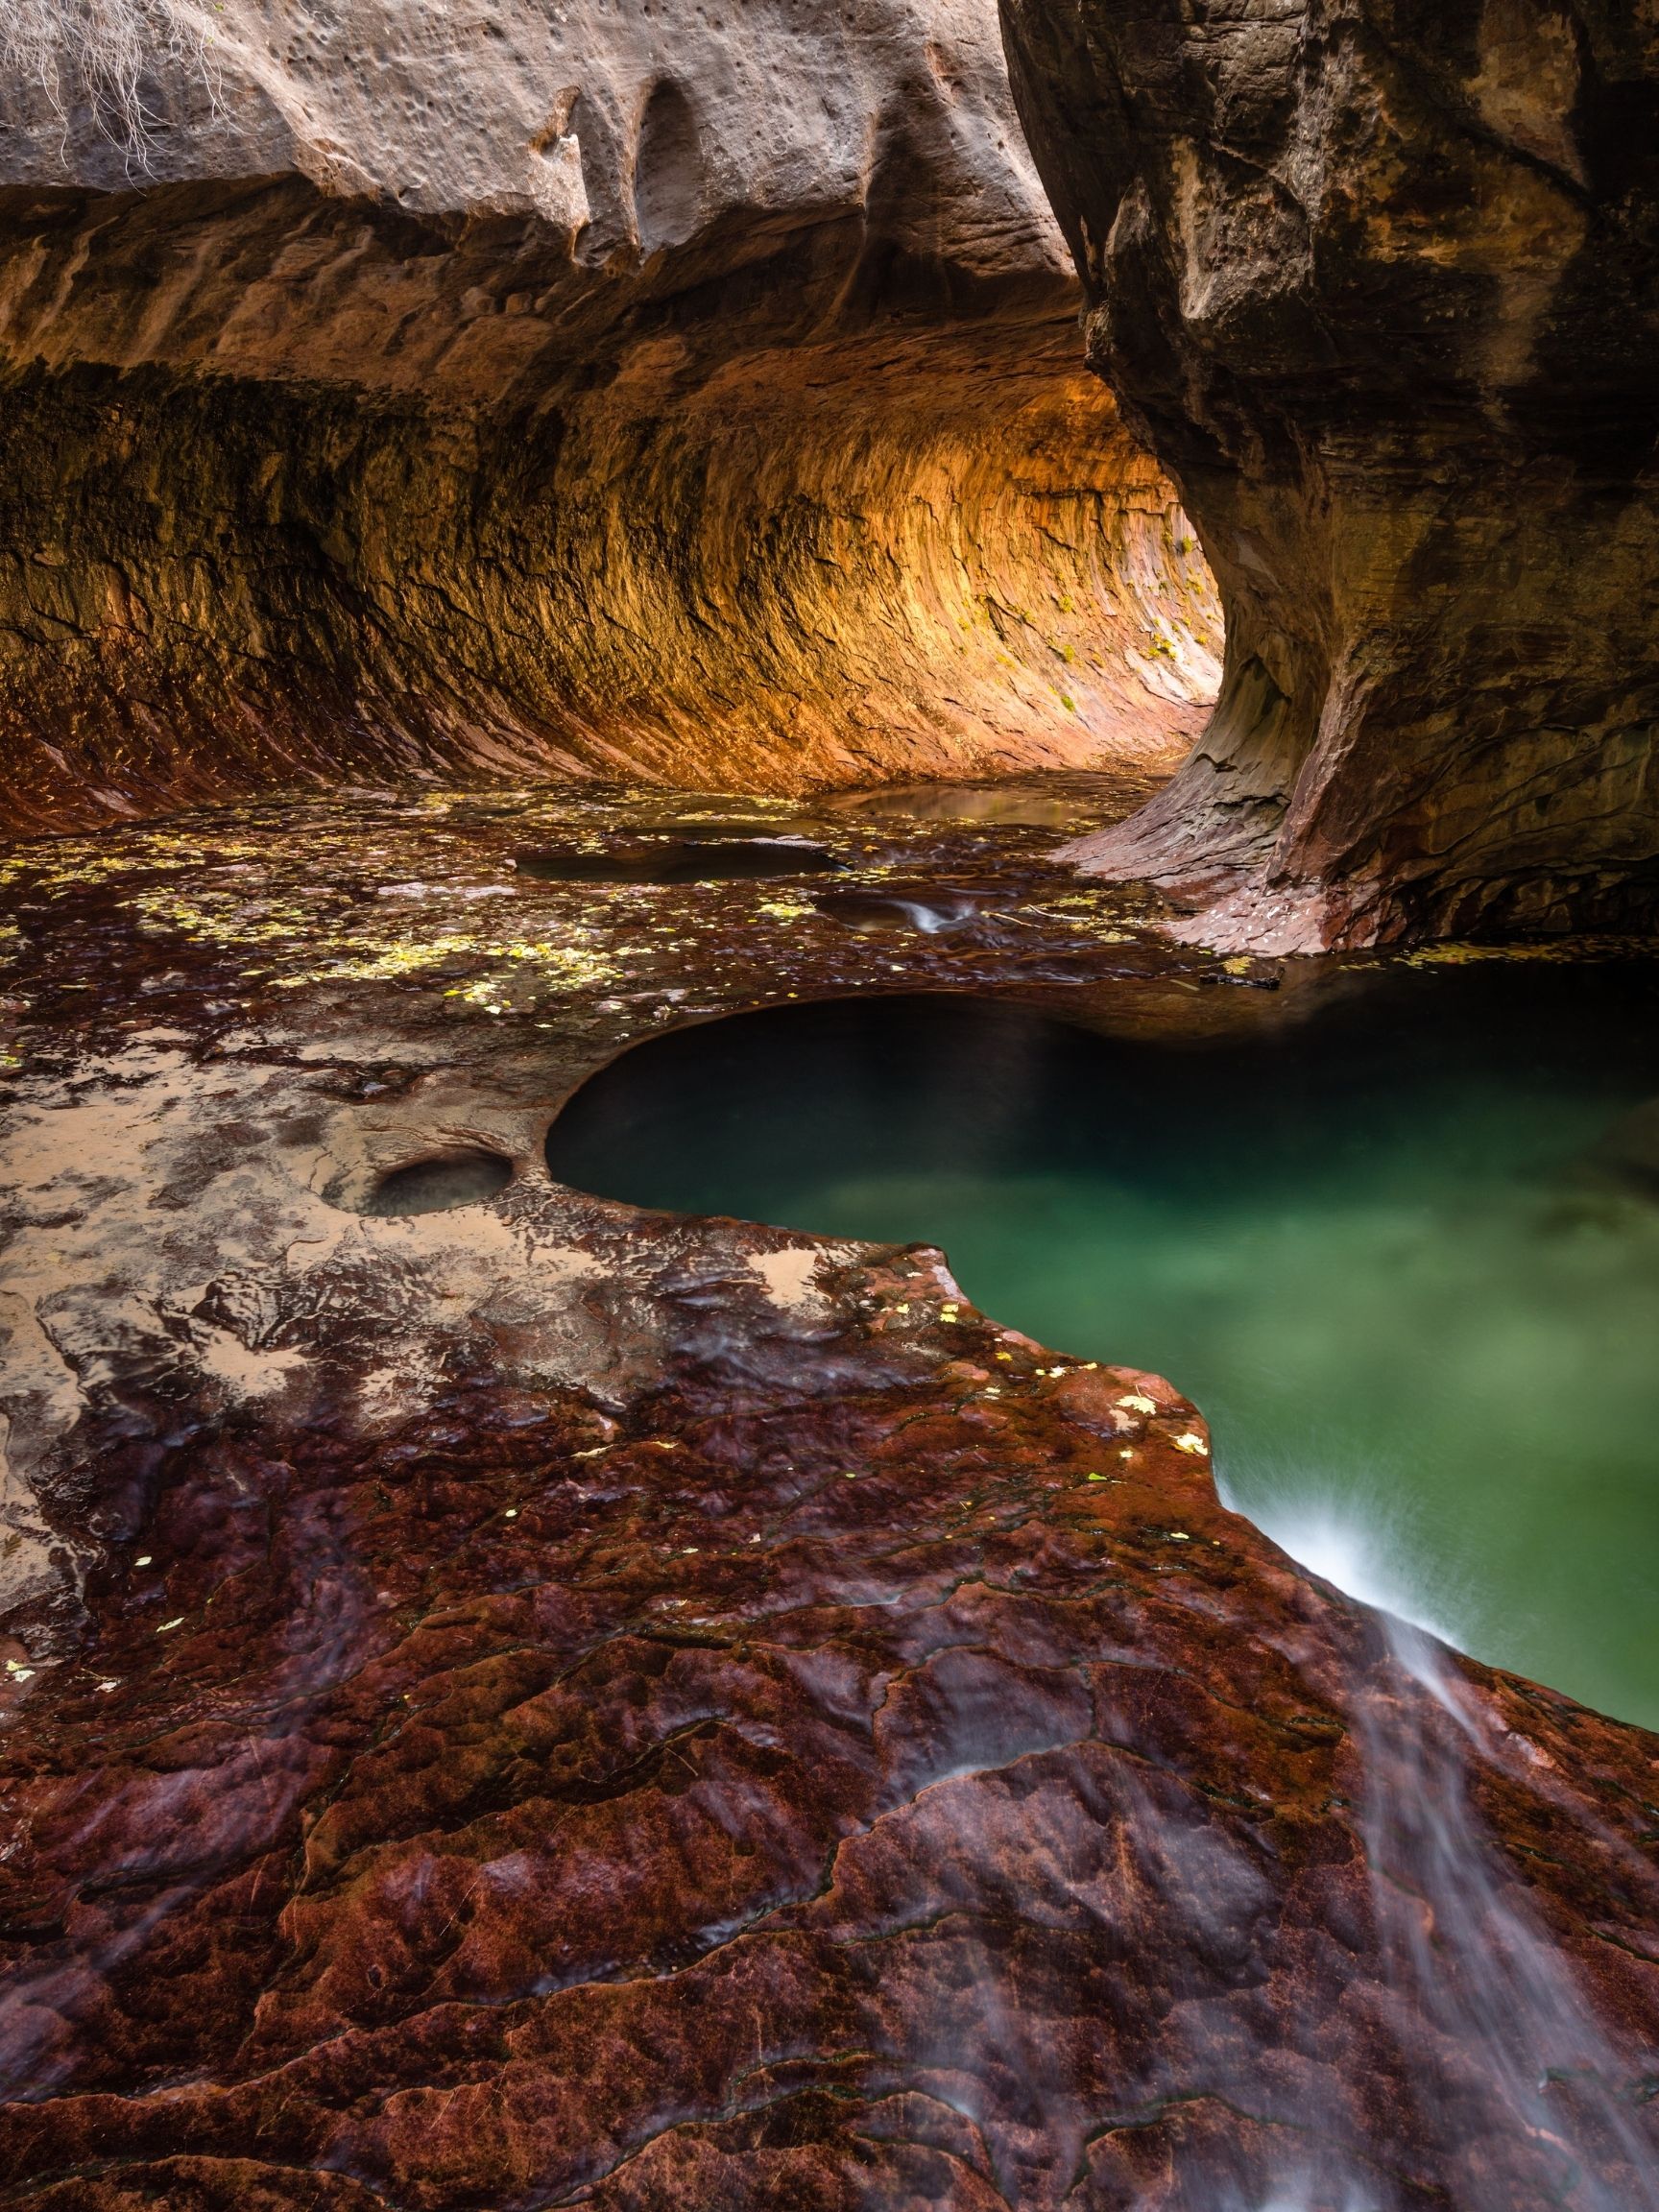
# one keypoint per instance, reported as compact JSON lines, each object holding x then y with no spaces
{"x":680,"y":860}
{"x":436,"y":1185}
{"x":1364,"y":1240}
{"x":878,"y":912}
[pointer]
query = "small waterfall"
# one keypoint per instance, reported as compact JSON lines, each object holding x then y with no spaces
{"x":1517,"y":2068}
{"x":1521,"y":2094}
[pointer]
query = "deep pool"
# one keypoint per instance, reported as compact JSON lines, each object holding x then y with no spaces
{"x":1404,"y":1253}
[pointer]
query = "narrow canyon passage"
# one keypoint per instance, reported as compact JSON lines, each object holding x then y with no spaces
{"x":1378,"y":284}
{"x":668,"y":444}
{"x":766,"y":531}
{"x":765,"y":1275}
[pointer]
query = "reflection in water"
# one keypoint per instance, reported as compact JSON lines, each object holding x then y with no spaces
{"x":1379,"y":1249}
{"x":1005,"y":805}
{"x":1072,"y":799}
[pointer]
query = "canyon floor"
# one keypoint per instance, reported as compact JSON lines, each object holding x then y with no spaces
{"x":538,"y":1703}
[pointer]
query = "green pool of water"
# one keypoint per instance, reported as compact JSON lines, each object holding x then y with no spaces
{"x":1390,"y":1249}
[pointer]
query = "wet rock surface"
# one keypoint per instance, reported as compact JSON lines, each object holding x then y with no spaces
{"x":1377,"y":283}
{"x":721,"y":856}
{"x":864,"y":1783}
{"x":532,"y":1702}
{"x":906,"y":908}
{"x":233,"y":1036}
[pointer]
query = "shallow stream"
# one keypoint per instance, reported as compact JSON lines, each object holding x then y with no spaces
{"x":1404,"y":1251}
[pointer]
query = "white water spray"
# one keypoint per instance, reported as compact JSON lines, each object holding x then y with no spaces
{"x":1511,"y":2037}
{"x":1514,"y":2037}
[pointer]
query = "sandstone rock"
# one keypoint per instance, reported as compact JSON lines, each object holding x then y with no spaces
{"x":1376,"y":283}
{"x":566,"y":387}
{"x":812,"y":1798}
{"x":545,"y":1702}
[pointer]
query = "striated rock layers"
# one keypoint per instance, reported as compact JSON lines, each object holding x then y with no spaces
{"x":1377,"y":281}
{"x":401,"y":390}
{"x":829,"y":1795}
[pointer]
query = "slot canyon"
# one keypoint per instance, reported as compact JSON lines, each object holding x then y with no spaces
{"x":829,"y":1106}
{"x":743,"y":443}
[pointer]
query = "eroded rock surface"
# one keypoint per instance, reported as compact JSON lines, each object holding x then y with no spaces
{"x":225,"y":1039}
{"x":481,"y":390}
{"x":1377,"y":283}
{"x":835,"y":1776}
{"x":544,"y":1703}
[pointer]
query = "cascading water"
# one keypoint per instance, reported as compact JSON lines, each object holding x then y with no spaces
{"x":1520,"y":2062}
{"x":1524,"y":2094}
{"x":1394,"y":1232}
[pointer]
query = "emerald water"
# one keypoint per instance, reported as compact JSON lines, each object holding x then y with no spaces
{"x":1403,"y":1252}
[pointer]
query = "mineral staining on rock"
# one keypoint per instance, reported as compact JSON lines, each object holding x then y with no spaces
{"x":1378,"y":285}
{"x":525,"y":1701}
{"x":819,"y":1790}
{"x":226,"y":1037}
{"x":532,"y":390}
{"x":509,"y":1701}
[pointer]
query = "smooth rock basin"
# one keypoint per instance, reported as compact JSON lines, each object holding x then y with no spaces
{"x":929,"y":911}
{"x":435,"y":1185}
{"x":1385,"y":1248}
{"x":675,"y":860}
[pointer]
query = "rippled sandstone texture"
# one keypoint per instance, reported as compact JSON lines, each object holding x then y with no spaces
{"x":544,"y":1703}
{"x":482,"y":388}
{"x":1377,"y":280}
{"x":816,"y":1781}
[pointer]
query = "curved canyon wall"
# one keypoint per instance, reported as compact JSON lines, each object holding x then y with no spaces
{"x":1376,"y":280}
{"x":509,"y":388}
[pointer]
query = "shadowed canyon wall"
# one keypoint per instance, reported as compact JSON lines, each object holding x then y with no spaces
{"x":503,"y":389}
{"x":1376,"y":280}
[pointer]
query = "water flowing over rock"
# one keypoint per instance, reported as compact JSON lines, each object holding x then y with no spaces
{"x":840,"y":1792}
{"x":513,"y":1700}
{"x":693,"y":395}
{"x":1376,"y":282}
